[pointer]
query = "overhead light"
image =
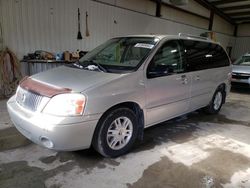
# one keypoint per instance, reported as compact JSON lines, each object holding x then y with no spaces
{"x":208,"y":55}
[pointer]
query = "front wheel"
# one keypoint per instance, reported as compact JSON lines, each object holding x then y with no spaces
{"x":116,"y":133}
{"x":216,"y":103}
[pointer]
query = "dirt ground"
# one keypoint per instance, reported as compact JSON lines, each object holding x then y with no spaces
{"x":192,"y":151}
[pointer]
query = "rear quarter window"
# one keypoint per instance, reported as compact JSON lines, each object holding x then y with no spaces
{"x":220,"y":58}
{"x":204,"y":55}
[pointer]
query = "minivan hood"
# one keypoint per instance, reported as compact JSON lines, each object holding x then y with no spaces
{"x":241,"y":69}
{"x":76,"y":79}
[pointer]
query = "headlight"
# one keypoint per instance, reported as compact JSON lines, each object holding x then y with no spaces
{"x":66,"y":105}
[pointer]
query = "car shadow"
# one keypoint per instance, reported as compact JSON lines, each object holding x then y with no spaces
{"x":178,"y":130}
{"x":242,"y":89}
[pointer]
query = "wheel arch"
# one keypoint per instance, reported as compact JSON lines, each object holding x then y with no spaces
{"x":135,"y":107}
{"x":223,"y":87}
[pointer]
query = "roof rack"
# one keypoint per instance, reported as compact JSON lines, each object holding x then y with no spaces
{"x":193,"y":36}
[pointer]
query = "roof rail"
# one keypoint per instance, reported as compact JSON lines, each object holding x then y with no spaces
{"x":193,"y":36}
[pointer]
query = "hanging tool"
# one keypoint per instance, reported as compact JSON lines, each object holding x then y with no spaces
{"x":79,"y":34}
{"x":87,"y":27}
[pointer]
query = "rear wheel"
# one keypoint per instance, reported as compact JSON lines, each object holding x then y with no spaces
{"x":216,"y":103}
{"x":116,"y":133}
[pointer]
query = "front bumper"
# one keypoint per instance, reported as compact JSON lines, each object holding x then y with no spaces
{"x":240,"y":78}
{"x":63,"y":133}
{"x":242,"y":81}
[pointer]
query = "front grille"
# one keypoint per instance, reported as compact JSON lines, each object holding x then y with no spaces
{"x":240,"y":76}
{"x":28,"y":100}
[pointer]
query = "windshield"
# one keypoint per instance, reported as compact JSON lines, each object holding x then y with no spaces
{"x":120,"y":54}
{"x":244,"y":60}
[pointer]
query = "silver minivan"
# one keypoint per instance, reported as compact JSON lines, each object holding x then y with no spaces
{"x":121,"y":87}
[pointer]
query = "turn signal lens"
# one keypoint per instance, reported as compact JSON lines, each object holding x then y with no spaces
{"x":79,"y":106}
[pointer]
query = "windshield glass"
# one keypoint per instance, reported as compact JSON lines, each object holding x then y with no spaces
{"x":244,"y":60}
{"x":120,"y":54}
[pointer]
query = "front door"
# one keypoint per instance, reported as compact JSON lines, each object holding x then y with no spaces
{"x":167,"y":84}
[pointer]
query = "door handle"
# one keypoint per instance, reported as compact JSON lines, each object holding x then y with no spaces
{"x":183,"y":79}
{"x":197,"y":78}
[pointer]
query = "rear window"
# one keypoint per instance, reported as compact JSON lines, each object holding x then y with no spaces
{"x":204,"y":55}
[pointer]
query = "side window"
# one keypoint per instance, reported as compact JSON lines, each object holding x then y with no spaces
{"x":167,"y":60}
{"x":198,"y":55}
{"x":204,"y":55}
{"x":220,"y":58}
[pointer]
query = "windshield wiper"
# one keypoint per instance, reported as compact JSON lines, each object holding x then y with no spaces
{"x":91,"y":62}
{"x":76,"y":65}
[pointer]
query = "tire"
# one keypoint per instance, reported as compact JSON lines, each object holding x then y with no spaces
{"x":216,"y":102}
{"x":116,"y":133}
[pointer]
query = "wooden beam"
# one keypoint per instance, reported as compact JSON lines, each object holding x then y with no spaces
{"x":242,"y":19}
{"x":235,"y":7}
{"x":211,"y":20}
{"x":222,"y":2}
{"x":235,"y":30}
{"x":245,"y":22}
{"x":184,"y":10}
{"x":209,"y":6}
{"x":158,"y":8}
{"x":239,"y":13}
